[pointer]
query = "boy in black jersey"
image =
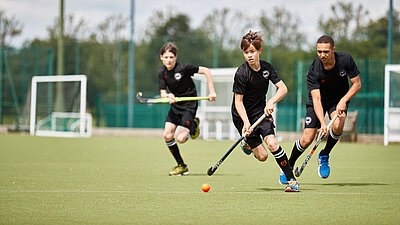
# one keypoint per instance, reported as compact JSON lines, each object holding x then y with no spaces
{"x":178,"y":78}
{"x":249,"y":103}
{"x":328,"y":92}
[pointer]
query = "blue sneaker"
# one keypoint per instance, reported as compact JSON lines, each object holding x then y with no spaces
{"x":293,"y":186}
{"x":282,"y":178}
{"x":323,"y":169}
{"x":245,"y":147}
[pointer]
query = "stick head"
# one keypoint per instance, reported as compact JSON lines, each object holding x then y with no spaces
{"x":297,"y":172}
{"x":210,"y":171}
{"x":140,"y":98}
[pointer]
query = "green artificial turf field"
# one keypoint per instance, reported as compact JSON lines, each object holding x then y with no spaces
{"x":120,"y":180}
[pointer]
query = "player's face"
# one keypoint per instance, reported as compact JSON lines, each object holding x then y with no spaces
{"x":168,"y":59}
{"x":325,"y":52}
{"x":252,"y":55}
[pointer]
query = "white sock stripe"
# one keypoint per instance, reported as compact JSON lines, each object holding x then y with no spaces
{"x":334,"y":136}
{"x":279,"y":154}
{"x":171,"y":143}
{"x":301,"y":149}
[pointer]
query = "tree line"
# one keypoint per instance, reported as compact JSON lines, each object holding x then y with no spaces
{"x":103,"y":51}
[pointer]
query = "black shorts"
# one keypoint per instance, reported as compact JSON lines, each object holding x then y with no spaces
{"x":263,"y":129}
{"x":311,"y":119}
{"x":181,"y":117}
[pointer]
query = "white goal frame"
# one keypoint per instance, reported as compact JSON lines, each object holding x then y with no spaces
{"x":85,"y":119}
{"x":392,"y":114}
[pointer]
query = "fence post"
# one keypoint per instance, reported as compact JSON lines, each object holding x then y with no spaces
{"x":77,"y":57}
{"x":118,"y":94}
{"x":299,"y":94}
{"x":1,"y":84}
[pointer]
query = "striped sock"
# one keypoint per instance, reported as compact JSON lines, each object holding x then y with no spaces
{"x":173,"y":148}
{"x":282,"y":160}
{"x":296,"y":152}
{"x":330,"y":143}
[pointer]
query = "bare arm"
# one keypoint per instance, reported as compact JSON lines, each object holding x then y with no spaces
{"x":204,"y":70}
{"x":355,"y":88}
{"x":282,"y":91}
{"x":319,"y":111}
{"x":242,"y":113}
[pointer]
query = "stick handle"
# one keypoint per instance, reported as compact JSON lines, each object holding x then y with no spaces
{"x":180,"y":99}
{"x":298,"y":170}
{"x":211,"y":170}
{"x":330,"y":123}
{"x":255,"y":124}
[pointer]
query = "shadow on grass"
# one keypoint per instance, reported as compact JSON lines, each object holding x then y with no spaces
{"x":215,"y":174}
{"x":271,"y":189}
{"x":346,"y":184}
{"x":283,"y":188}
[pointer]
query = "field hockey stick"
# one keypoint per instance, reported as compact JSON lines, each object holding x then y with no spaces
{"x":166,"y":100}
{"x":211,"y":170}
{"x":298,"y":171}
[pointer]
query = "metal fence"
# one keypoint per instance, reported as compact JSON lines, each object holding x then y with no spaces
{"x":110,"y":109}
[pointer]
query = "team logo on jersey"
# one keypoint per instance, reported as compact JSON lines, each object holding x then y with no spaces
{"x":308,"y":120}
{"x":265,"y":74}
{"x":342,"y":73}
{"x":178,"y":76}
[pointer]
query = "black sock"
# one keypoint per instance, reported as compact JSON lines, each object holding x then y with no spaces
{"x":173,"y":148}
{"x":283,"y":162}
{"x":296,"y":152}
{"x":330,"y":143}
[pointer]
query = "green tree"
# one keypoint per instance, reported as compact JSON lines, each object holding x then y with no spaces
{"x":10,"y":27}
{"x":219,"y":23}
{"x":346,"y":22}
{"x":283,"y":28}
{"x":194,"y":47}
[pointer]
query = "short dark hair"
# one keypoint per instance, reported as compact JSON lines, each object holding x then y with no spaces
{"x":251,"y":38}
{"x":326,"y":39}
{"x":170,"y":47}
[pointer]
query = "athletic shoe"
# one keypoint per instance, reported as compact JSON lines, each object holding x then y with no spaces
{"x":196,"y":130}
{"x":282,"y":178}
{"x":245,"y":147}
{"x":179,"y":170}
{"x":293,"y":186}
{"x":323,"y":169}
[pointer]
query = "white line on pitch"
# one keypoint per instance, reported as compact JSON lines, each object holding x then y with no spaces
{"x":196,"y":192}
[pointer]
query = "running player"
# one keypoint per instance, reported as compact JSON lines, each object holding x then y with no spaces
{"x":249,"y":103}
{"x":178,"y":78}
{"x":328,"y":92}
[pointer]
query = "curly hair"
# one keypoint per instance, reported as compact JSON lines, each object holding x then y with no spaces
{"x":251,"y":38}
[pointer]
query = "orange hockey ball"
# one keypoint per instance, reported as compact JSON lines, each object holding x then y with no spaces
{"x":205,"y":187}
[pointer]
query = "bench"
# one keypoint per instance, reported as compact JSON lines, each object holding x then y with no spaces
{"x":349,"y":128}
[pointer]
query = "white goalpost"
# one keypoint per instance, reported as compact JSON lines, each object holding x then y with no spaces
{"x":58,"y":106}
{"x":392,"y":104}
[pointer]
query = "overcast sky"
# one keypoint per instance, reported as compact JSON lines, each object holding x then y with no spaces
{"x":37,"y":15}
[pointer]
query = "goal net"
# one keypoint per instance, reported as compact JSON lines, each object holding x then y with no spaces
{"x":392,"y":104}
{"x":216,"y":120}
{"x":58,"y":106}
